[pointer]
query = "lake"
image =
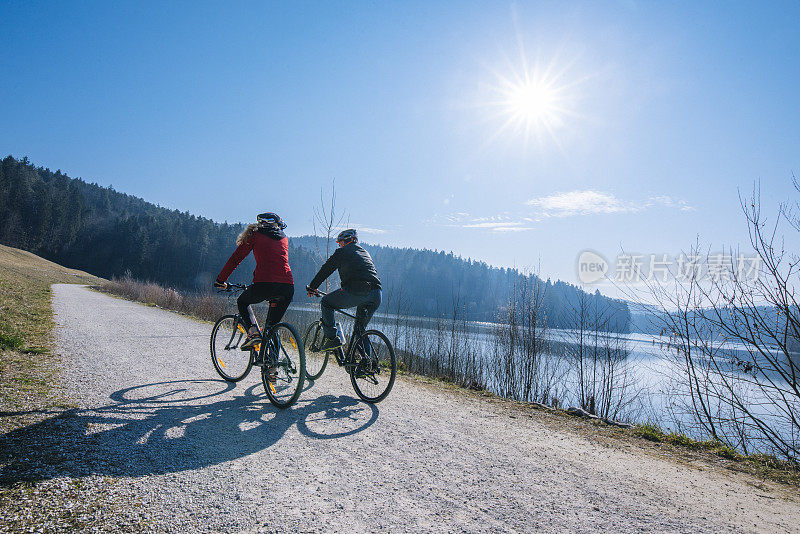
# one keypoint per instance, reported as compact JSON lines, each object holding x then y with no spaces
{"x":650,"y":374}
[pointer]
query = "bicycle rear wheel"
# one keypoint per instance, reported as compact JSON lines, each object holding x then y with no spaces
{"x":232,"y":363}
{"x":284,"y":368}
{"x":316,"y":360}
{"x":376,"y":366}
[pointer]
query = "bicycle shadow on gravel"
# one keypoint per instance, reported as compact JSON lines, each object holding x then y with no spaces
{"x":166,"y":427}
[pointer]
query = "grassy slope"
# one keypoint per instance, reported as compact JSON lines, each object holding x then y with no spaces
{"x":27,"y":394}
{"x":26,"y":325}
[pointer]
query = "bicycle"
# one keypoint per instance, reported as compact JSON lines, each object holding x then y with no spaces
{"x":281,"y":356}
{"x":369,"y":357}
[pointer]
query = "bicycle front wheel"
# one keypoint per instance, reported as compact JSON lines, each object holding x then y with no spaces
{"x":316,"y":360}
{"x":375,"y":366}
{"x":283,"y":373}
{"x":230,"y":361}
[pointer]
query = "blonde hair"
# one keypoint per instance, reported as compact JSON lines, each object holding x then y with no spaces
{"x":246,"y":234}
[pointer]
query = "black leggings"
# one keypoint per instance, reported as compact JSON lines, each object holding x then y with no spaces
{"x":261,"y":291}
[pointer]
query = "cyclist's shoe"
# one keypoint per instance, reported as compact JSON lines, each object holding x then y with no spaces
{"x":329,"y":344}
{"x":251,"y":341}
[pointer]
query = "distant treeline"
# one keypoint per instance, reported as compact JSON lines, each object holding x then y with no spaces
{"x":108,"y":233}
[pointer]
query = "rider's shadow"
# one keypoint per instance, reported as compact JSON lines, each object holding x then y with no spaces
{"x":168,"y":427}
{"x":332,"y":417}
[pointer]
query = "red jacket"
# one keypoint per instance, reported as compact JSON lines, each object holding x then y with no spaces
{"x":272,"y":258}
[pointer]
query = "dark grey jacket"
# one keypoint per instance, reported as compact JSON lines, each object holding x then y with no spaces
{"x":356,"y":269}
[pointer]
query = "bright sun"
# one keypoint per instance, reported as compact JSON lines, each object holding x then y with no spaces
{"x":532,"y":102}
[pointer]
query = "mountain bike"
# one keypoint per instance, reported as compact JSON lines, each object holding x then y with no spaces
{"x":280,"y":355}
{"x":368,"y":358}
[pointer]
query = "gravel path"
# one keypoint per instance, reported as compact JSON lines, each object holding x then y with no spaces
{"x":191,"y":452}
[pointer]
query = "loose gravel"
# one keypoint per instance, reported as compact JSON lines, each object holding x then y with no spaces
{"x":187,"y":451}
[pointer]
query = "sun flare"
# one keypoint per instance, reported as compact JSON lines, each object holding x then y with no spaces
{"x":531,"y":105}
{"x":533,"y":101}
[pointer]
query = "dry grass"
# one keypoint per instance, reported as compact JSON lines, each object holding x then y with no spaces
{"x":27,"y":376}
{"x":205,"y":306}
{"x":26,"y":324}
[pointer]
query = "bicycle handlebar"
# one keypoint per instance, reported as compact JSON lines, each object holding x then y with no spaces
{"x":231,"y":287}
{"x":315,"y":292}
{"x":318,"y":293}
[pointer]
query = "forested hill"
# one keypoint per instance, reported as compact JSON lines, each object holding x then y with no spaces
{"x":108,"y":233}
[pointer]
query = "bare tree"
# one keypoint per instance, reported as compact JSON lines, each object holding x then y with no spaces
{"x":326,"y":220}
{"x":524,"y":365}
{"x":601,"y":361}
{"x":578,"y":350}
{"x":735,"y":334}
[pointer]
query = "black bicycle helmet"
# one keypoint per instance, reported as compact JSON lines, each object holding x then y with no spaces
{"x":345,"y":236}
{"x":270,"y":218}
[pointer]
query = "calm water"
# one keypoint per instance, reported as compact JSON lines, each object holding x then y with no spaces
{"x":657,"y":377}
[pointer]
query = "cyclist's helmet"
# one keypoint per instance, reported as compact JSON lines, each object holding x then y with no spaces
{"x":265,"y":219}
{"x":347,"y":236}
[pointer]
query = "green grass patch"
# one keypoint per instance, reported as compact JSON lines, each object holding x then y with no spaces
{"x":682,"y":440}
{"x":10,"y":342}
{"x":650,"y":432}
{"x":764,"y":465}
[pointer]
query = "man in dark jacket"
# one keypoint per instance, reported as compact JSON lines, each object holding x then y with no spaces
{"x":361,"y":286}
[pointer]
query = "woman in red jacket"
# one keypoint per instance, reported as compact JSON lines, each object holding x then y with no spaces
{"x":272,"y":277}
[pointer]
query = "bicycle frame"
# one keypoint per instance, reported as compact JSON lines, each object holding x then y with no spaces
{"x":368,"y":356}
{"x":242,"y":332}
{"x":345,"y":357}
{"x":240,"y":322}
{"x":279,"y":354}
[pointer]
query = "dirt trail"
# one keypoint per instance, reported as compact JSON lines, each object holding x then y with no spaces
{"x":196,"y":453}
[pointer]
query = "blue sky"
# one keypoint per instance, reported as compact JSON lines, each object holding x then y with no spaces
{"x":659,"y":114}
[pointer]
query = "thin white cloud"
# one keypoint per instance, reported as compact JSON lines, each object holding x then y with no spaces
{"x":492,"y":224}
{"x":668,"y":201}
{"x":368,"y":230}
{"x":457,"y":217}
{"x":360,"y":229}
{"x":513,"y":229}
{"x":450,"y":219}
{"x":579,"y":203}
{"x":503,"y":222}
{"x":500,"y":226}
{"x":589,"y":202}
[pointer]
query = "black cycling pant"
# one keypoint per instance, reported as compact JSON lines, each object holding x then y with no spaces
{"x":340,"y":299}
{"x":261,"y":291}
